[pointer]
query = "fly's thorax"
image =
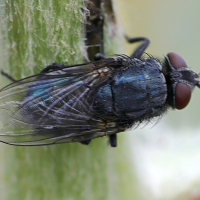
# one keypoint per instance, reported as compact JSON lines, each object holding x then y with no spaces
{"x":136,"y":92}
{"x":155,"y":63}
{"x":180,"y":81}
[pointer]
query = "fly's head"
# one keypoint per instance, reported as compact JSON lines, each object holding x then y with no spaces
{"x":180,"y":81}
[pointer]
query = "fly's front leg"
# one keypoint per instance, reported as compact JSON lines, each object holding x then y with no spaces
{"x":113,"y":140}
{"x":141,"y":48}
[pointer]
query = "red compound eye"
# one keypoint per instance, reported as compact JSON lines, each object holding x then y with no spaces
{"x":183,"y":95}
{"x":182,"y":91}
{"x":176,"y":60}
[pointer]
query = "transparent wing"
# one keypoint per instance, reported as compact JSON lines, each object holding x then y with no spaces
{"x":55,"y":107}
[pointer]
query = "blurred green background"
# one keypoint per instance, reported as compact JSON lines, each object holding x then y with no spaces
{"x":156,"y":163}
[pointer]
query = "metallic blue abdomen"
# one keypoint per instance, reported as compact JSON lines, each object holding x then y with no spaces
{"x":135,"y":93}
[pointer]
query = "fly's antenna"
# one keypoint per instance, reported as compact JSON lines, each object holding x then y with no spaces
{"x":198,"y":84}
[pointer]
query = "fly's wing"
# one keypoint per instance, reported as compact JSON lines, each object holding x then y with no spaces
{"x":54,"y":107}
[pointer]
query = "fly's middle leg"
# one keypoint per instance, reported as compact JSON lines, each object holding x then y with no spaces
{"x":113,"y":140}
{"x":99,"y":56}
{"x":94,"y":29}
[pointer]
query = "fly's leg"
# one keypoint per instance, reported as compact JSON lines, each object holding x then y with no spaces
{"x":54,"y":66}
{"x":94,"y":29}
{"x":141,"y":48}
{"x":48,"y":68}
{"x":99,"y":56}
{"x":113,"y":140}
{"x":8,"y":76}
{"x":86,"y":142}
{"x":102,"y":34}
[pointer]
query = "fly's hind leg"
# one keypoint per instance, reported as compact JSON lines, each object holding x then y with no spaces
{"x":8,"y":76}
{"x":48,"y":68}
{"x":141,"y":48}
{"x":86,"y":142}
{"x":53,"y":66}
{"x":113,"y":140}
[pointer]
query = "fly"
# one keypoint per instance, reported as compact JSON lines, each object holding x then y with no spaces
{"x":78,"y":103}
{"x":81,"y":102}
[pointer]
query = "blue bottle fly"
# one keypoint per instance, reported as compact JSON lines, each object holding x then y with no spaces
{"x":81,"y":102}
